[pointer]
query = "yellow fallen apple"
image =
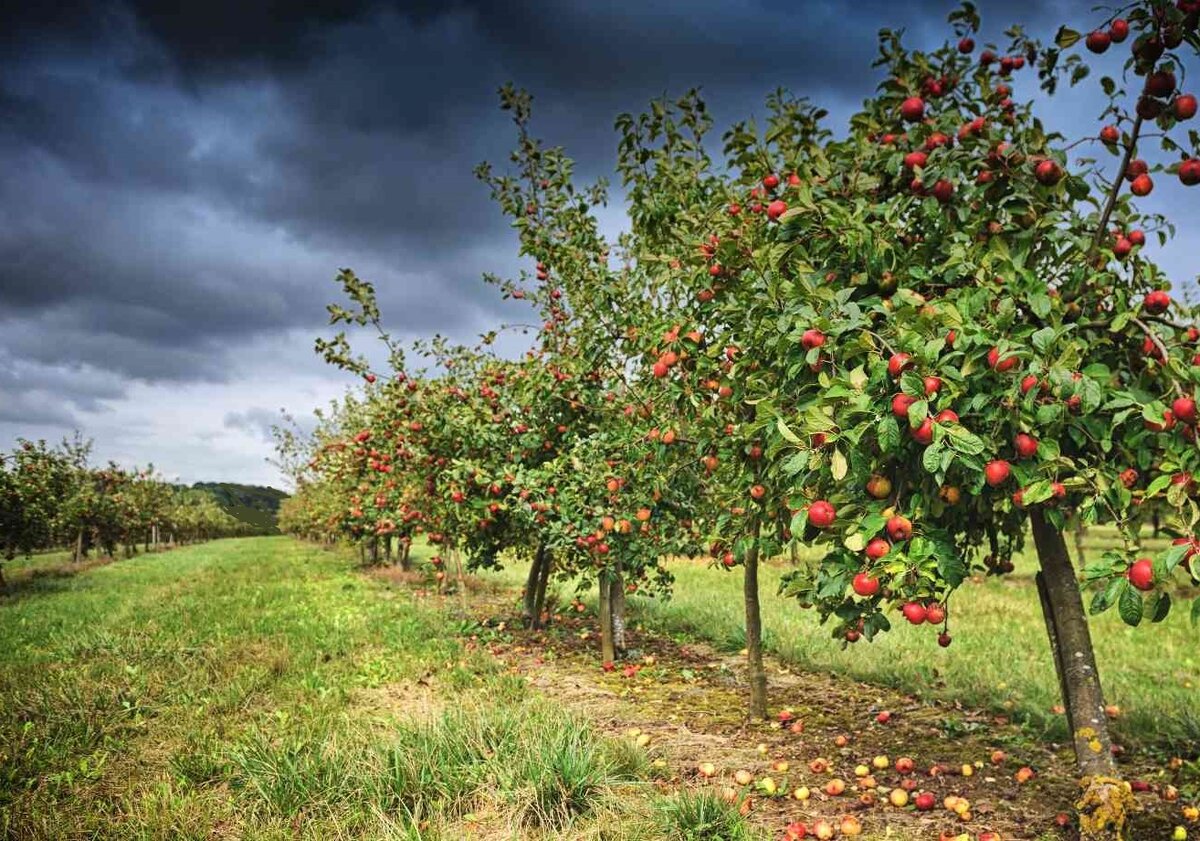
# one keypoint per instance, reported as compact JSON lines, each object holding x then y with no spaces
{"x":851,"y":826}
{"x":898,"y":798}
{"x":762,"y":748}
{"x":861,"y":770}
{"x":802,"y":793}
{"x":743,"y":777}
{"x":643,"y":740}
{"x":881,"y":762}
{"x":835,"y":787}
{"x":781,"y":766}
{"x":707,"y":769}
{"x":968,"y":770}
{"x":768,"y":786}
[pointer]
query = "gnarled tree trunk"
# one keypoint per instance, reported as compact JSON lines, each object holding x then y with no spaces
{"x":1106,"y":802}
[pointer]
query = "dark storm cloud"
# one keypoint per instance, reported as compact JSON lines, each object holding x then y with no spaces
{"x":178,"y":181}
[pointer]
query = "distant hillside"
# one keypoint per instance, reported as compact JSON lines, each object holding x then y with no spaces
{"x":249,"y":503}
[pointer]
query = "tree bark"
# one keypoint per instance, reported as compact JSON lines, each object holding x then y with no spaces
{"x":754,"y":657}
{"x":618,"y":607}
{"x":539,"y":604}
{"x":531,"y":584}
{"x":78,"y":545}
{"x":1080,"y":533}
{"x":405,"y":555}
{"x":608,"y":652}
{"x":1106,"y":803}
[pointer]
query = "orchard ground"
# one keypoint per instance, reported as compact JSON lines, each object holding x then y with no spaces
{"x":263,"y":688}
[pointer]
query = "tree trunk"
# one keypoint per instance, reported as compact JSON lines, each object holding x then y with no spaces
{"x":78,"y":545}
{"x":754,"y":657}
{"x":618,"y":608}
{"x":387,"y":550}
{"x":405,"y":550}
{"x":3,"y":583}
{"x":539,"y":604}
{"x":1104,"y":807}
{"x":462,"y":581}
{"x":1080,"y":533}
{"x":608,"y":652}
{"x":795,"y":553}
{"x":531,"y":584}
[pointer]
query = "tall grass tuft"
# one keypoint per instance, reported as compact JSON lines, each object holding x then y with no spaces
{"x":701,"y":816}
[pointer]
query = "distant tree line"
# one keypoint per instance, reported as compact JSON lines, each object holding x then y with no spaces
{"x":51,"y":497}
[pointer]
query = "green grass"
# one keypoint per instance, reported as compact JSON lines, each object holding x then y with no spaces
{"x":264,"y":689}
{"x":701,"y":816}
{"x":999,"y":658}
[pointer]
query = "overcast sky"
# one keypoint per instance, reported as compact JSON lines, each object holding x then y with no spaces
{"x":179,"y":188}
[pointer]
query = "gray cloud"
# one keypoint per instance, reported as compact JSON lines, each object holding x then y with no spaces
{"x":179,"y":184}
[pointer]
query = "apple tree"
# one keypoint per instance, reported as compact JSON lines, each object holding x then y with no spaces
{"x":970,"y":344}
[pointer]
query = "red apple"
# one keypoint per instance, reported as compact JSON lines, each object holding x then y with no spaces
{"x":901,"y":404}
{"x":899,"y":528}
{"x":821,"y":514}
{"x":875,"y":550}
{"x":1141,"y":574}
{"x":1025,"y":445}
{"x":912,"y":109}
{"x":897,"y":363}
{"x":1048,"y":173}
{"x":864,"y":584}
{"x":1185,"y":107}
{"x":1098,"y":41}
{"x":1184,"y":409}
{"x":1157,"y":302}
{"x":914,"y":612}
{"x":997,"y":472}
{"x":1142,"y":185}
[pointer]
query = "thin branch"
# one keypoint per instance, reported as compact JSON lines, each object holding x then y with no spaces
{"x":1115,"y":190}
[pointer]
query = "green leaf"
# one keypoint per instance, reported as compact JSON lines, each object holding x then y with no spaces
{"x":1042,"y":338}
{"x":917,"y":413}
{"x":889,"y":434}
{"x":952,"y":568}
{"x":931,"y":460}
{"x":1157,"y":485}
{"x":1105,"y":598}
{"x":838,"y":466}
{"x":963,"y":441}
{"x":1160,"y":606}
{"x":786,"y":432}
{"x":1130,"y":605}
{"x":913,"y":384}
{"x":1066,"y":37}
